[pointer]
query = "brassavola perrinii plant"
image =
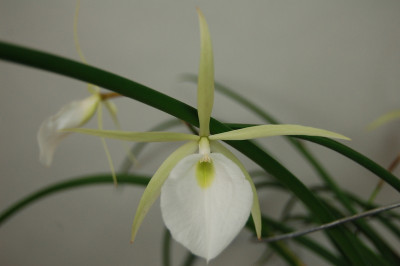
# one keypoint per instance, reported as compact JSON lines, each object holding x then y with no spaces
{"x":206,"y":193}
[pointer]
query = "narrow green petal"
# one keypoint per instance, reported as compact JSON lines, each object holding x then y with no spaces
{"x":205,"y":87}
{"x":112,"y":109}
{"x":275,"y":130}
{"x":255,"y":209}
{"x":386,"y":118}
{"x":136,"y":136}
{"x":153,"y":189}
{"x":104,"y":143}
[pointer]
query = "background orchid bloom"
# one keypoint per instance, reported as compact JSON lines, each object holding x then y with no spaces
{"x":206,"y":193}
{"x":74,"y":114}
{"x":385,"y":118}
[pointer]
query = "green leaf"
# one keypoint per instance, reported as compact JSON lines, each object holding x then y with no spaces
{"x":358,"y":158}
{"x":166,"y":254}
{"x":136,"y":136}
{"x":70,"y":184}
{"x":306,"y":242}
{"x":153,"y":189}
{"x":205,"y":86}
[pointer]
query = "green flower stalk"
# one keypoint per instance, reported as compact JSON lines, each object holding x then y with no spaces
{"x":206,"y":193}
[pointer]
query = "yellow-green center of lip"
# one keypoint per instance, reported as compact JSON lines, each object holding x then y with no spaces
{"x":205,"y":173}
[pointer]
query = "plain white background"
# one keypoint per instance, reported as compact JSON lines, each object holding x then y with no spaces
{"x":328,"y":64}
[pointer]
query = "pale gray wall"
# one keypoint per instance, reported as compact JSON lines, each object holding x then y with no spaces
{"x":328,"y":64}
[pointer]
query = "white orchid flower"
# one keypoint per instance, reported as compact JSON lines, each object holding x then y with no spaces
{"x":76,"y":114}
{"x":72,"y":115}
{"x":206,"y":193}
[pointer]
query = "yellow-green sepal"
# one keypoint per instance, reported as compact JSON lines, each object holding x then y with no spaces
{"x":205,"y":85}
{"x":153,"y":189}
{"x":275,"y":130}
{"x":255,"y":209}
{"x":113,"y":111}
{"x":386,"y":118}
{"x":137,"y":136}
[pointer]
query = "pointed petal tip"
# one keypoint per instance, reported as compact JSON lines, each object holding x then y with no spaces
{"x":205,"y":83}
{"x":199,"y":11}
{"x":133,"y":236}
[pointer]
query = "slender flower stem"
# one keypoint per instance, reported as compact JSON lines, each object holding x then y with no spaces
{"x":331,"y":224}
{"x":69,"y":184}
{"x":380,"y":183}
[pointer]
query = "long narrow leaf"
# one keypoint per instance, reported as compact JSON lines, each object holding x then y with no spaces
{"x":69,"y":184}
{"x":358,"y":158}
{"x":308,"y":243}
{"x":167,"y":248}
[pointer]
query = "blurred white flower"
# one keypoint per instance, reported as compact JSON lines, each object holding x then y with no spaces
{"x":72,"y":115}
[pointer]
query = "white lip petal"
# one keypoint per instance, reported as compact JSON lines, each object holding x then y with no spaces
{"x":206,"y":219}
{"x":71,"y":115}
{"x":153,"y":189}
